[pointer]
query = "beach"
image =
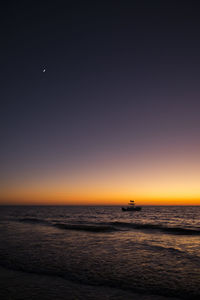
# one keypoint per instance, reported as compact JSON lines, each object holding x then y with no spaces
{"x":99,"y":253}
{"x":20,"y":285}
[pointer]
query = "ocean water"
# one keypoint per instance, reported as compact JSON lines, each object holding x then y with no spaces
{"x":155,"y":251}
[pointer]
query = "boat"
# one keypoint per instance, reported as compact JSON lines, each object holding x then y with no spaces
{"x":131,"y":207}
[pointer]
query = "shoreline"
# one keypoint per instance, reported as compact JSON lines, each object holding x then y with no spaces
{"x":21,"y":285}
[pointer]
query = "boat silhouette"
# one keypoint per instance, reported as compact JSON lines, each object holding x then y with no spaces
{"x":131,"y":207}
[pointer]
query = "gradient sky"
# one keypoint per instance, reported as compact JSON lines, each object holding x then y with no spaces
{"x":116,"y":115}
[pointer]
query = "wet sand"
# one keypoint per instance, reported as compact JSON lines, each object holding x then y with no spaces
{"x":16,"y":285}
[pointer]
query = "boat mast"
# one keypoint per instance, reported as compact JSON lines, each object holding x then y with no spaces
{"x":132,"y":202}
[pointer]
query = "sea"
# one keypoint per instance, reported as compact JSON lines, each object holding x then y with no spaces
{"x":155,"y":251}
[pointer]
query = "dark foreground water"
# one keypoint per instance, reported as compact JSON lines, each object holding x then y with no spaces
{"x":155,"y":251}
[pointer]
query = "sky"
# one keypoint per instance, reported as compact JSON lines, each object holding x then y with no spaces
{"x":115,"y":115}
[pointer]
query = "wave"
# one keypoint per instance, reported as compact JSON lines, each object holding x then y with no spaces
{"x":67,"y":226}
{"x":86,"y":227}
{"x":32,"y":220}
{"x":160,"y":248}
{"x":158,"y":227}
{"x":112,"y":226}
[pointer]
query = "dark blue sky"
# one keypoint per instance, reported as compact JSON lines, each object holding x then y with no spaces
{"x":121,"y":79}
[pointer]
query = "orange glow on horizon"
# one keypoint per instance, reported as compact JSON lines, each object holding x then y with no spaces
{"x":63,"y":199}
{"x":162,"y":178}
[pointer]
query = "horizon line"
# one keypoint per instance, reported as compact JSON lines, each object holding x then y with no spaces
{"x":97,"y":205}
